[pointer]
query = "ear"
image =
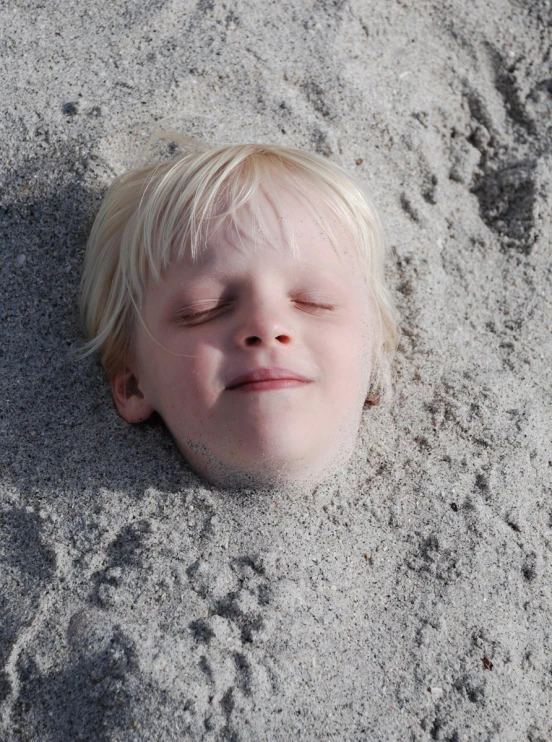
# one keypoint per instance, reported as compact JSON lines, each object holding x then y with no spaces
{"x":372,"y":400}
{"x":130,"y":401}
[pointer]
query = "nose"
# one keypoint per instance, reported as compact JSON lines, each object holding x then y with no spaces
{"x":264,"y":325}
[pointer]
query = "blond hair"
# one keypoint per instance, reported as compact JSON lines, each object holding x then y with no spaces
{"x":154,"y":214}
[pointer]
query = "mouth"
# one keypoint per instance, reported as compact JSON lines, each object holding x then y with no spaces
{"x":266,"y":379}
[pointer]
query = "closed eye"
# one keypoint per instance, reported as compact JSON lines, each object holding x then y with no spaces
{"x":314,"y":306}
{"x":196,"y":316}
{"x":189,"y":318}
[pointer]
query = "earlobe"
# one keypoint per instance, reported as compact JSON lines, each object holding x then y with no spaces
{"x":129,"y":399}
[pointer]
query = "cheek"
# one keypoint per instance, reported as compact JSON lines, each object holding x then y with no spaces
{"x":352,"y":357}
{"x":347,"y":360}
{"x":167,"y":374}
{"x":195,"y":377}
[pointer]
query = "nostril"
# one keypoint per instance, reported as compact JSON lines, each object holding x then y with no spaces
{"x":255,"y":340}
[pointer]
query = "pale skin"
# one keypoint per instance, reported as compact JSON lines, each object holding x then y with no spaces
{"x":258,"y":361}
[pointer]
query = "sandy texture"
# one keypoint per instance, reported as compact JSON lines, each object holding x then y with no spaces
{"x":411,"y":599}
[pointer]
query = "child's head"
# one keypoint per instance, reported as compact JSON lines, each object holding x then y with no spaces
{"x":239,"y":292}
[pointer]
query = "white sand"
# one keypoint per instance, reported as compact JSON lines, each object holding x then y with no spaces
{"x":410,"y":601}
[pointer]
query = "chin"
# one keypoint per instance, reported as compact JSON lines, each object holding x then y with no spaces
{"x":270,"y":472}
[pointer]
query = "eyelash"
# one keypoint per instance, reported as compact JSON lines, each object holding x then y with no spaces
{"x":316,"y":305}
{"x":196,"y":317}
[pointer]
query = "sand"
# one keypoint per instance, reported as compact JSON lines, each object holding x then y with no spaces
{"x":410,"y":598}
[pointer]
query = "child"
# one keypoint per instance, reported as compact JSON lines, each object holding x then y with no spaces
{"x":238,"y":291}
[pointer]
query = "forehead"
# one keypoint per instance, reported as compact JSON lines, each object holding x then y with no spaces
{"x":302,"y":228}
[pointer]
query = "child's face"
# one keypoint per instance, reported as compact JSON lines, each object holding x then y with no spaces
{"x":257,"y":361}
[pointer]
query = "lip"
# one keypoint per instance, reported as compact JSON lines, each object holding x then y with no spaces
{"x":264,"y":379}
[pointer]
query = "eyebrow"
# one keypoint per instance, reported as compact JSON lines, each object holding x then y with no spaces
{"x":208,"y":272}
